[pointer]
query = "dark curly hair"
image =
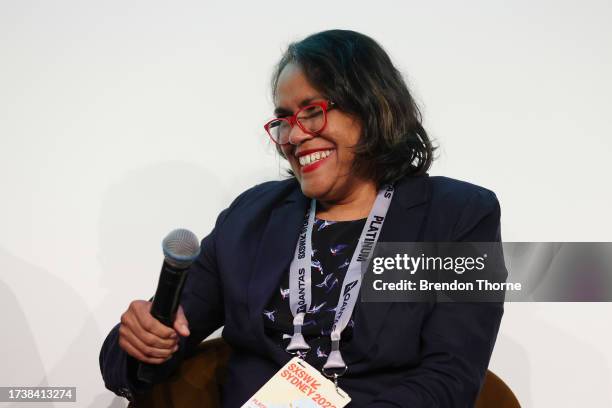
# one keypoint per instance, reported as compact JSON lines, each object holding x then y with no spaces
{"x":355,"y":72}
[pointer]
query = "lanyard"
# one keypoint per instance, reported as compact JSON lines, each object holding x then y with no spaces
{"x":300,"y":291}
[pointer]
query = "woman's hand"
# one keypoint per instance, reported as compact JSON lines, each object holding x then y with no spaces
{"x":145,"y":338}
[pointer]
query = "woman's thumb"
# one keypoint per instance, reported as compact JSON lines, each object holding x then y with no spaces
{"x":180,"y":322}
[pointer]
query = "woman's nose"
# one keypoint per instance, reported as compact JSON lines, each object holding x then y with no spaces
{"x":297,"y":136}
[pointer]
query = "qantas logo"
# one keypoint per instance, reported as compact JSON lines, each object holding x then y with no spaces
{"x":301,"y":291}
{"x":345,"y":299}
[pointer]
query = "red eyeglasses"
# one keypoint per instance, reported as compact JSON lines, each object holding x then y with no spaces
{"x":311,"y":119}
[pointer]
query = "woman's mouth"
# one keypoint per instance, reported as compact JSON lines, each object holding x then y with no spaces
{"x":310,"y":162}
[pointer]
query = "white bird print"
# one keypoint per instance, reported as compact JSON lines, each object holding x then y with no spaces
{"x":326,"y":281}
{"x":321,"y":353}
{"x":336,"y":249}
{"x":331,"y":286}
{"x":325,"y":224}
{"x":284,"y":293}
{"x":316,"y":309}
{"x":270,"y":315}
{"x":345,"y":264}
{"x":317,"y":265}
{"x":309,"y":323}
{"x":333,"y":309}
{"x":301,"y":354}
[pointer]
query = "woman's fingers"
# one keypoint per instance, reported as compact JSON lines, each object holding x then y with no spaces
{"x":142,"y":311}
{"x":181,"y":325}
{"x":137,"y":354}
{"x":147,"y":337}
{"x":144,"y":349}
{"x":144,"y":337}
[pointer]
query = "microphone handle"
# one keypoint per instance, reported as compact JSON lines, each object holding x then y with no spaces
{"x":165,"y":305}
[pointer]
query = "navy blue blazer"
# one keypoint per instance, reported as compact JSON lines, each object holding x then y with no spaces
{"x":400,"y":355}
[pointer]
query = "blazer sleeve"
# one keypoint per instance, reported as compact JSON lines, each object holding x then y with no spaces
{"x":457,"y":338}
{"x":202,"y":301}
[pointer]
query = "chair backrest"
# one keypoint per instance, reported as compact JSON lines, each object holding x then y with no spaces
{"x":495,"y":393}
{"x":197,"y":382}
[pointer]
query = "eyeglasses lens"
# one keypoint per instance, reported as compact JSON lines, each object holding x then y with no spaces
{"x":311,"y":118}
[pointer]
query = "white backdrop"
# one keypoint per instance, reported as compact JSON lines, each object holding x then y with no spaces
{"x":111,"y":109}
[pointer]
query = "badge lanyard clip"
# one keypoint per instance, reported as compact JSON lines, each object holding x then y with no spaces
{"x":297,"y":343}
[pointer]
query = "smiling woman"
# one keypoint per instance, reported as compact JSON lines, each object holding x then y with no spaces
{"x":322,"y":161}
{"x":352,"y":135}
{"x":374,"y":135}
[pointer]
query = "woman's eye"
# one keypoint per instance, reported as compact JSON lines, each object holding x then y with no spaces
{"x":310,"y":113}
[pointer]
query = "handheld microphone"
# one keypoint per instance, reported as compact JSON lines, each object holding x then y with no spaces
{"x":181,"y":247}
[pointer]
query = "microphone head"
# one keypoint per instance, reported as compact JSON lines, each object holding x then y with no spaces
{"x":181,"y":247}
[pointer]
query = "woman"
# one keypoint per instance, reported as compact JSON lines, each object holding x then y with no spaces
{"x":349,"y":128}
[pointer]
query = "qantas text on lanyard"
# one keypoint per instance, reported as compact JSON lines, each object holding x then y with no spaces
{"x":300,"y":294}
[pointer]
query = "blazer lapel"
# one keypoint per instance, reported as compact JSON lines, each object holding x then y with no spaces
{"x":274,"y":256}
{"x":403,"y":223}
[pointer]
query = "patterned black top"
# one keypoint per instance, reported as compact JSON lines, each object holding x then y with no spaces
{"x":333,"y":244}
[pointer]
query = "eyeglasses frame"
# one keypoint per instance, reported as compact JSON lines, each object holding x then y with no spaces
{"x":325,"y":105}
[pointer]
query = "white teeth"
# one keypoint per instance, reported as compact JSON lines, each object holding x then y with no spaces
{"x":313,"y":157}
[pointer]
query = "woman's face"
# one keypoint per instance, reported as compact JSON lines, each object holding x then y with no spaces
{"x":328,"y":175}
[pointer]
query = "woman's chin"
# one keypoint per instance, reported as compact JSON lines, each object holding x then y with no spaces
{"x":313,"y":188}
